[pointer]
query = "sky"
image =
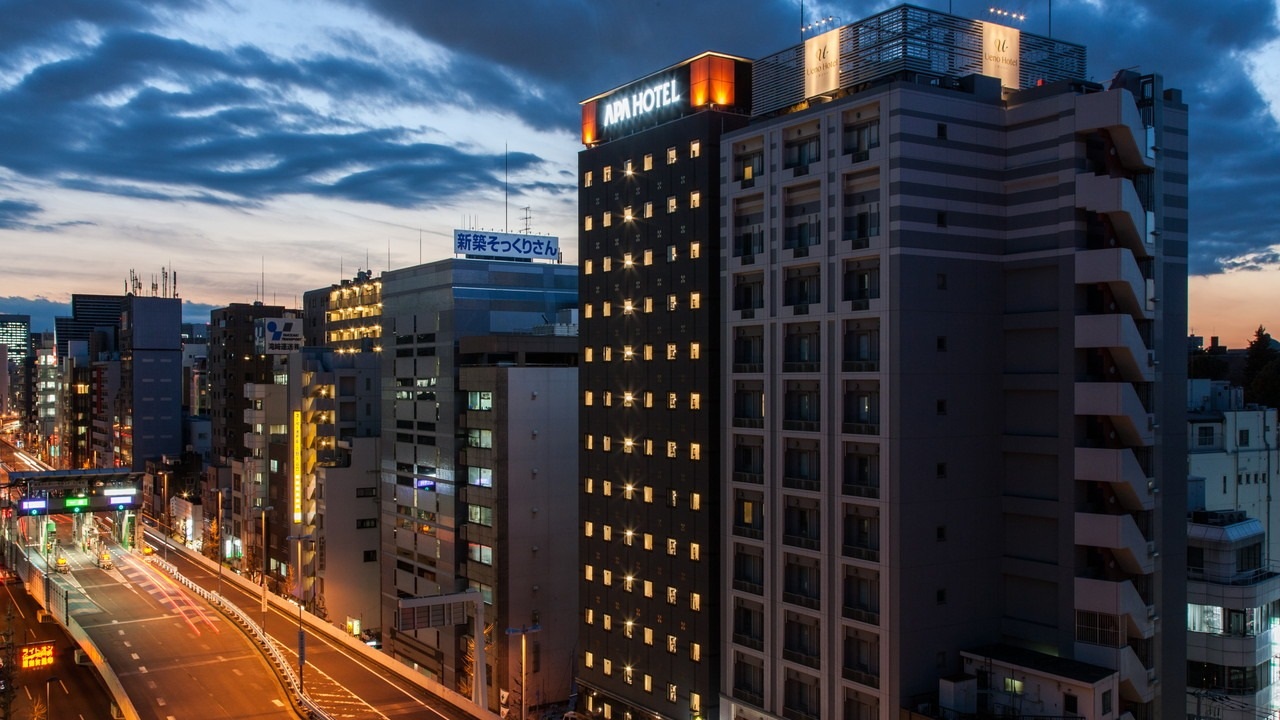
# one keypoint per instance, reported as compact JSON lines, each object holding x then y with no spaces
{"x":262,"y":148}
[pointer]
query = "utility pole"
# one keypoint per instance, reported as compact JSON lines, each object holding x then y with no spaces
{"x":9,"y":652}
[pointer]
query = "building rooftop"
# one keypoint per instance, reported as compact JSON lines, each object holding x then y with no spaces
{"x":1040,"y":662}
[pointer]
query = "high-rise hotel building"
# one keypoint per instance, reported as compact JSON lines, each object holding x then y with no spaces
{"x":952,"y":284}
{"x":649,"y":198}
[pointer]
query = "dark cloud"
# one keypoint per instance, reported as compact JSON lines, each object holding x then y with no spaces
{"x":15,"y":213}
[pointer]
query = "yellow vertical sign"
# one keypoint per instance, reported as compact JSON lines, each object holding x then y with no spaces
{"x":297,"y":466}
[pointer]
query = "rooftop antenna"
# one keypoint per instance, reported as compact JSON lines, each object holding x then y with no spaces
{"x":262,"y":297}
{"x":506,"y":187}
{"x":419,"y":246}
{"x":175,"y":283}
{"x":388,"y":256}
{"x":528,"y":226}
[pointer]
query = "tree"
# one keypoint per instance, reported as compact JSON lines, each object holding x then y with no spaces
{"x":1205,"y":365}
{"x":1265,"y":389}
{"x":1259,"y":354}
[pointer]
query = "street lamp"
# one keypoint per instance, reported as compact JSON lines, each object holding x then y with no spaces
{"x":48,"y":713}
{"x":166,"y":529}
{"x":302,"y":637}
{"x":263,"y":580}
{"x":222,"y":554}
{"x":523,"y":631}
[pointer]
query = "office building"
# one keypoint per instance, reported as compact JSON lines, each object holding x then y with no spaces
{"x":953,"y":275}
{"x":650,"y":454}
{"x":150,"y":380}
{"x":15,"y":336}
{"x":429,"y":464}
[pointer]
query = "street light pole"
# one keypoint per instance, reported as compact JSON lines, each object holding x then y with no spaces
{"x":263,"y":580}
{"x":523,"y":631}
{"x":222,"y":554}
{"x":166,"y":528}
{"x":48,"y":713}
{"x":302,"y":637}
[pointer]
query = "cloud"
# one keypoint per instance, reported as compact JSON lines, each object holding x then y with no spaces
{"x":14,"y":213}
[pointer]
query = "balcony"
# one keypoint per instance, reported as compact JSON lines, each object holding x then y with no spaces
{"x":1120,"y":534}
{"x":749,"y":641}
{"x":1117,"y":269}
{"x":859,"y":675}
{"x":748,"y":422}
{"x":809,"y":483}
{"x":861,"y":489}
{"x":1117,"y":598}
{"x":808,"y":542}
{"x":1118,"y":334}
{"x":1232,"y":650}
{"x":862,"y":615}
{"x":755,"y":478}
{"x":755,"y":587}
{"x":1121,"y":469}
{"x":806,"y":657}
{"x":1117,"y":113}
{"x":1137,"y":682}
{"x":255,"y":441}
{"x":753,"y":532}
{"x":1118,"y":401}
{"x":861,"y":552}
{"x":750,"y":697}
{"x":802,"y":600}
{"x":1118,"y":200}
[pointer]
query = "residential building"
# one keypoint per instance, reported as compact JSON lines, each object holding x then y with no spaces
{"x":427,"y":311}
{"x":346,"y":316}
{"x":649,"y":196}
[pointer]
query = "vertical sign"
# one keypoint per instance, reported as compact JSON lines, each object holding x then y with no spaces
{"x":297,"y":466}
{"x":822,"y":63}
{"x":1001,"y":51}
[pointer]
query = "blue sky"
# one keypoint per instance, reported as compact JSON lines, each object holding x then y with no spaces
{"x":238,"y":141}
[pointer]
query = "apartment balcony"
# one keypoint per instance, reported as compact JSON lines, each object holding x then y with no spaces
{"x":795,"y":539}
{"x":862,"y":615}
{"x":1137,"y":681}
{"x":1117,"y":598}
{"x":751,"y":697}
{"x":1121,"y":469}
{"x":1118,"y":401}
{"x":754,"y":478}
{"x":861,"y":552}
{"x":1120,"y":534}
{"x":753,"y":532}
{"x":255,"y":441}
{"x":1118,"y":270}
{"x":809,"y":483}
{"x":1231,"y":650}
{"x":1118,"y":200}
{"x":255,"y":417}
{"x":801,"y":599}
{"x":1117,"y":113}
{"x":749,"y":641}
{"x":1118,"y":334}
{"x":861,"y":676}
{"x":749,"y":585}
{"x":807,"y":657}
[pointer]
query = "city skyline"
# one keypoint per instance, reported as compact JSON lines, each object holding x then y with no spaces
{"x":261,"y":151}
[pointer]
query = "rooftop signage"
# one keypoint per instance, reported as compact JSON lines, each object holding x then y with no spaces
{"x":1001,"y":52}
{"x":278,"y":336}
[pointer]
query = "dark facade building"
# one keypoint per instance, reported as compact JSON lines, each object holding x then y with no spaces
{"x":650,"y":458}
{"x":233,"y":362}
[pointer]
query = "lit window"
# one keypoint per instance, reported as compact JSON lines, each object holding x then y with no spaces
{"x":628,"y":445}
{"x":672,"y":351}
{"x":695,"y":551}
{"x":695,"y":701}
{"x":695,"y":401}
{"x":606,"y":443}
{"x":671,"y":448}
{"x":671,"y":155}
{"x":588,"y":573}
{"x":648,"y":493}
{"x":608,"y":173}
{"x":628,"y":537}
{"x":695,"y":451}
{"x":672,"y":595}
{"x":607,"y":219}
{"x":695,"y":652}
{"x":695,"y":351}
{"x":607,"y":664}
{"x":626,"y":671}
{"x":672,"y":253}
{"x":648,"y":681}
{"x":648,"y":396}
{"x":587,"y":355}
{"x":648,"y":545}
{"x":606,"y":263}
{"x":648,"y":257}
{"x":626,"y":214}
{"x":586,"y":267}
{"x":695,"y":148}
{"x":608,"y":398}
{"x":590,"y":616}
{"x":626,"y":260}
{"x":695,"y":601}
{"x":588,"y":485}
{"x":695,"y":250}
{"x":673,"y":302}
{"x":606,"y":308}
{"x":648,"y":306}
{"x":628,"y":584}
{"x":588,"y":528}
{"x":673,"y":400}
{"x":673,"y":499}
{"x":606,"y":488}
{"x":586,"y":311}
{"x":607,"y":623}
{"x":648,"y":161}
{"x":648,"y":352}
{"x":695,"y":199}
{"x":648,"y":209}
{"x":627,"y":308}
{"x":648,"y":446}
{"x":588,"y":223}
{"x":695,"y":300}
{"x":608,"y":351}
{"x":627,"y":491}
{"x":648,"y":632}
{"x":672,"y":644}
{"x":589,"y":660}
{"x":606,"y":532}
{"x":628,"y":353}
{"x":628,"y":398}
{"x":606,"y":576}
{"x":695,"y":501}
{"x":589,"y":441}
{"x":673,"y":546}
{"x":672,"y":205}
{"x":586,"y":179}
{"x":626,"y":167}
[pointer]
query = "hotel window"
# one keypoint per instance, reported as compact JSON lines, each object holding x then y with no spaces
{"x":628,"y":537}
{"x":606,"y":488}
{"x":671,"y":156}
{"x":695,"y":300}
{"x":587,"y":223}
{"x":608,"y":218}
{"x":607,"y":623}
{"x":628,"y":399}
{"x":672,"y":645}
{"x":648,"y":304}
{"x":648,"y":209}
{"x":648,"y":545}
{"x":648,"y":257}
{"x":695,"y":401}
{"x":606,"y":309}
{"x":673,"y":499}
{"x":628,"y":353}
{"x":588,"y":573}
{"x":695,"y":501}
{"x":695,"y":652}
{"x":607,"y":663}
{"x":648,"y":681}
{"x":648,"y":632}
{"x":627,"y":262}
{"x":695,"y":351}
{"x":586,"y":179}
{"x":648,"y":493}
{"x":608,"y":351}
{"x":606,"y":263}
{"x":588,"y":485}
{"x":673,"y":401}
{"x":590,"y":616}
{"x":607,"y":173}
{"x":672,"y":351}
{"x":589,"y":441}
{"x":606,"y":576}
{"x":671,"y":448}
{"x":648,"y":161}
{"x":695,"y":250}
{"x":626,"y":214}
{"x":627,"y":674}
{"x":695,"y":199}
{"x":673,"y":546}
{"x":586,"y":267}
{"x":606,"y":443}
{"x":626,"y":167}
{"x":589,"y":660}
{"x":627,"y":308}
{"x":606,"y":532}
{"x":648,"y":446}
{"x":586,"y":311}
{"x":628,"y":445}
{"x":695,"y":602}
{"x":588,"y":528}
{"x":648,"y":397}
{"x":672,"y":595}
{"x":695,"y":148}
{"x":608,"y":398}
{"x":673,"y":302}
{"x":695,"y":702}
{"x":672,"y":253}
{"x":672,"y":205}
{"x":695,"y":551}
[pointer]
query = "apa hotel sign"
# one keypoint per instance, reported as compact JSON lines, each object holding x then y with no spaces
{"x":1001,"y":53}
{"x":637,"y":103}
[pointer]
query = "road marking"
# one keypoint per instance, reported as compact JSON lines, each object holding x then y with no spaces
{"x":160,"y":701}
{"x":133,"y":655}
{"x":142,"y":668}
{"x":277,"y":702}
